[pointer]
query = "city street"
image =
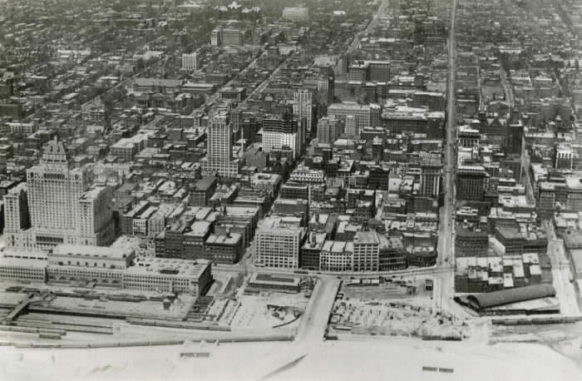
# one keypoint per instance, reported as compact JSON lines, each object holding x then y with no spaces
{"x":444,"y":288}
{"x":561,"y":273}
{"x":316,"y":316}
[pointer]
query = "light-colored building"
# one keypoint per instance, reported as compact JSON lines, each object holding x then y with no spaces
{"x":274,"y":141}
{"x":106,"y":266}
{"x":96,"y":226}
{"x":219,"y":147}
{"x":25,"y":266}
{"x":336,"y":256}
{"x":564,"y":157}
{"x":62,"y":209}
{"x":430,"y":180}
{"x":168,"y":275}
{"x":16,"y":214}
{"x":190,"y":61}
{"x":278,"y":242}
{"x":297,"y":14}
{"x":328,"y":130}
{"x":303,"y":174}
{"x":216,"y":37}
{"x":127,"y":148}
{"x":303,"y":108}
{"x":232,"y":37}
{"x":365,"y":115}
{"x":366,"y":251}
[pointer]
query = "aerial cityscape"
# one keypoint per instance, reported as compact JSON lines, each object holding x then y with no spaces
{"x":290,"y":190}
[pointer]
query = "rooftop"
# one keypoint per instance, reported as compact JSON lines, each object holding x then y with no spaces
{"x":168,"y":267}
{"x":92,"y":251}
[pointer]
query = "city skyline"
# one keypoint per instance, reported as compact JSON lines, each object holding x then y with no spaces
{"x":285,"y":190}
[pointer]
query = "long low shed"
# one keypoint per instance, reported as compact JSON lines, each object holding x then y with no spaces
{"x":514,"y":295}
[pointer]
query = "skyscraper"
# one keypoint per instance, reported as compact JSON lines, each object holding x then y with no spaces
{"x":219,"y":147}
{"x":430,"y":179}
{"x":303,"y":107}
{"x":189,"y":61}
{"x":471,"y":181}
{"x":328,"y":130}
{"x":281,"y":131}
{"x":62,"y":209}
{"x":219,"y":138}
{"x":54,"y":190}
{"x":351,"y":126}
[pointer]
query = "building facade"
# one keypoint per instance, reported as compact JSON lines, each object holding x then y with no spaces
{"x":278,"y":243}
{"x":62,"y":208}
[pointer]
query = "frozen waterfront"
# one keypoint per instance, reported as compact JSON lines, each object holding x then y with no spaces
{"x":371,"y":359}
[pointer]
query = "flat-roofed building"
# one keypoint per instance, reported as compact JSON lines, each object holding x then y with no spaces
{"x":168,"y":275}
{"x":190,"y":61}
{"x":278,"y":242}
{"x":366,"y":251}
{"x":337,"y":256}
{"x":224,"y":248}
{"x":275,"y":282}
{"x":103,"y":266}
{"x":25,"y":266}
{"x":311,"y":251}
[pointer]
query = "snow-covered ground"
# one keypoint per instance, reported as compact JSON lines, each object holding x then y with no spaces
{"x":562,"y":274}
{"x":368,"y":359}
{"x":252,"y":311}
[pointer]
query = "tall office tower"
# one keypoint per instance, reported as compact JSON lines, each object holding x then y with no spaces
{"x":366,"y":251}
{"x":236,"y":115}
{"x":328,"y":130}
{"x":471,"y":181}
{"x":216,"y":37}
{"x":351,"y":126}
{"x":190,"y":61}
{"x":280,"y":131}
{"x":375,"y":113}
{"x":220,"y":138}
{"x":219,"y":147}
{"x":61,"y":208}
{"x":377,"y":149}
{"x":430,"y":179}
{"x":303,"y":107}
{"x":379,"y":70}
{"x":16,"y":213}
{"x":278,"y":243}
{"x":564,"y":156}
{"x":54,"y":191}
{"x":95,"y":217}
{"x":515,"y":138}
{"x":325,"y":87}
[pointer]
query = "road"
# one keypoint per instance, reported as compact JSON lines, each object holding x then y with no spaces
{"x":263,"y":85}
{"x":371,"y":25}
{"x":416,"y":271}
{"x":316,"y":316}
{"x":444,"y":283}
{"x":214,"y":96}
{"x":561,"y":273}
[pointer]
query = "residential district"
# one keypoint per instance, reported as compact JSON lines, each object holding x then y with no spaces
{"x":326,"y":178}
